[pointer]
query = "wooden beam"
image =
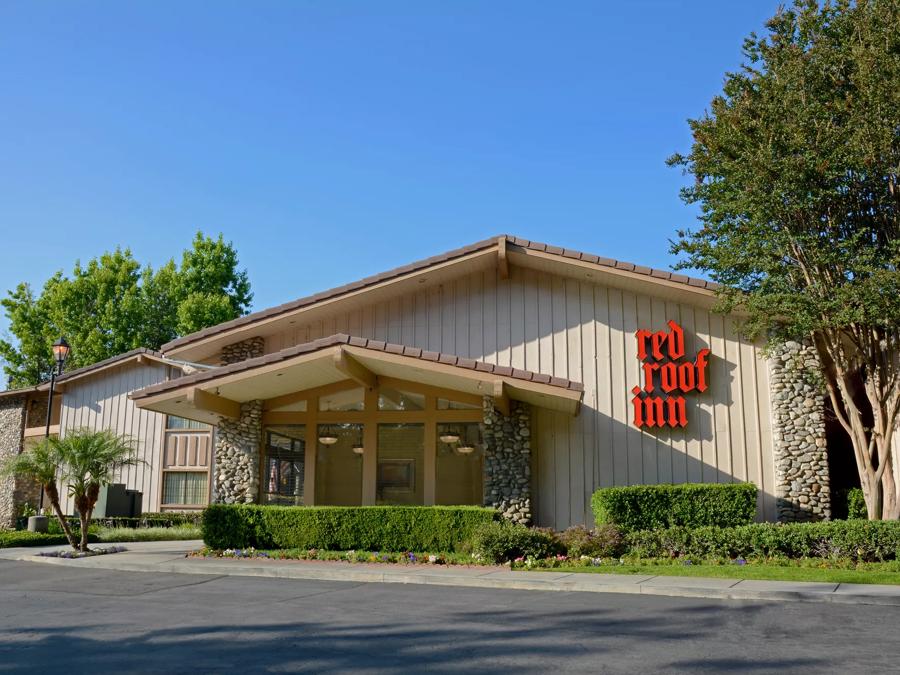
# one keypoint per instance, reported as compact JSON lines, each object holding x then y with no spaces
{"x":353,"y":369}
{"x":502,"y":260}
{"x":307,"y":394}
{"x":203,"y":400}
{"x":501,"y":398}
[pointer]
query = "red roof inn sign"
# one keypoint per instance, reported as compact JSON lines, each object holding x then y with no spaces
{"x":667,"y":376}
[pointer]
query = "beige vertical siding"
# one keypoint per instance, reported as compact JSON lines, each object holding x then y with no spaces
{"x":101,"y":402}
{"x":585,"y":332}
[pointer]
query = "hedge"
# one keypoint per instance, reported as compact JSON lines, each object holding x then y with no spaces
{"x":343,"y":528}
{"x":144,"y":520}
{"x":856,"y":505}
{"x":498,"y":542}
{"x":648,"y":507}
{"x":12,"y":538}
{"x":864,"y":540}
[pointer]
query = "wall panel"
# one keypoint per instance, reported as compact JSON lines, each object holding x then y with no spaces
{"x":585,"y":332}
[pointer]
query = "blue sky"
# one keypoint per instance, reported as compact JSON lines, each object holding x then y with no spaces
{"x":333,"y":140}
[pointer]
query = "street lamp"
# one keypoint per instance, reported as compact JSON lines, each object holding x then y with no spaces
{"x":61,"y":351}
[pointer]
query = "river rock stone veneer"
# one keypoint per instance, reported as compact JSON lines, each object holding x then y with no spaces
{"x":241,"y":351}
{"x":237,"y":456}
{"x":507,"y":461}
{"x":802,"y":484}
{"x":12,"y":423}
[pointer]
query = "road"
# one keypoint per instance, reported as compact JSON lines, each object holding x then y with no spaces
{"x":75,"y":620}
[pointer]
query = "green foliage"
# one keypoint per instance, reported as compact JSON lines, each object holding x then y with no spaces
{"x":341,"y":528}
{"x":796,"y":171}
{"x":38,"y":463}
{"x":14,"y":538}
{"x":861,"y":540}
{"x":856,"y":505}
{"x":122,"y":534}
{"x":644,"y":507}
{"x":112,"y":305}
{"x":502,"y":541}
{"x":603,"y":542}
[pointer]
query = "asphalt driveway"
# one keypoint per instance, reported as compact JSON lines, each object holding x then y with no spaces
{"x":78,"y":620}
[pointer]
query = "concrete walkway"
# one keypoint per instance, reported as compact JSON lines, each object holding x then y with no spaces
{"x":169,"y":557}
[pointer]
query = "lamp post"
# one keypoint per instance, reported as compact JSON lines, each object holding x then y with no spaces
{"x":61,"y":351}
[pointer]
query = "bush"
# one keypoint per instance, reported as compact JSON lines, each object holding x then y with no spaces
{"x":603,"y":542}
{"x":648,"y":507}
{"x":145,"y":520}
{"x":856,"y":505}
{"x":499,"y":542}
{"x":121,"y":534}
{"x":12,"y":538}
{"x":858,"y":540}
{"x":343,"y":528}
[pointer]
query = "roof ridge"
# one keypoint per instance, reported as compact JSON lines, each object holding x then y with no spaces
{"x":572,"y":254}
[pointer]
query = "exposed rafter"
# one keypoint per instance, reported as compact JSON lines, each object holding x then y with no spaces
{"x":204,"y":400}
{"x":502,"y":259}
{"x":501,"y":398}
{"x":354,"y":370}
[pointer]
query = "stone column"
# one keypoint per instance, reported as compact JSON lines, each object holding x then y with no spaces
{"x":802,"y":486}
{"x":243,"y":350}
{"x":12,"y":424}
{"x":237,"y":456}
{"x":507,"y":460}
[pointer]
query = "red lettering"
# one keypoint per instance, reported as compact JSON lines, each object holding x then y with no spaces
{"x":654,"y":412}
{"x":656,"y":342}
{"x":649,"y":369}
{"x":642,"y":336}
{"x":668,"y":377}
{"x":686,"y":377}
{"x":677,"y":411}
{"x":676,"y":341}
{"x":638,"y":407}
{"x":702,"y":356}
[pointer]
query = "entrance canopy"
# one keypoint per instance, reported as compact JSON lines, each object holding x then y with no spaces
{"x":285,"y":378}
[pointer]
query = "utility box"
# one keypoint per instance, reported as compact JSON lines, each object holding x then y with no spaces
{"x":117,"y":502}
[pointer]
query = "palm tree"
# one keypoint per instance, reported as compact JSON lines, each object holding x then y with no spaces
{"x":40,"y":464}
{"x":88,"y":461}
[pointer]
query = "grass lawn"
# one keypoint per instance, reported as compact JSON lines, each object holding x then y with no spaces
{"x":865,"y":573}
{"x":124,"y":534}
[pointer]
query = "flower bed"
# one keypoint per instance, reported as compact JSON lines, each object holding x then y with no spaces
{"x":402,"y":558}
{"x":70,"y":554}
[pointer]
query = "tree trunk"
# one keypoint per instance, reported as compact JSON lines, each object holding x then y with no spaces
{"x":85,"y":519}
{"x":875,"y":500}
{"x":53,"y":496}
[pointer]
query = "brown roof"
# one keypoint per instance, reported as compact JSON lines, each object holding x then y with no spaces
{"x":374,"y":345}
{"x":428,"y":262}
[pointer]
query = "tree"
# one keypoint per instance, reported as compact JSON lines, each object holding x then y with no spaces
{"x":112,"y":305}
{"x":87,"y":461}
{"x":796,"y":172}
{"x":41,"y":464}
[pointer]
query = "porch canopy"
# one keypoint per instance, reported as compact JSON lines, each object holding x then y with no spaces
{"x":286,"y":378}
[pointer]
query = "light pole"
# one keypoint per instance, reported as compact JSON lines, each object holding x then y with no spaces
{"x":61,"y":351}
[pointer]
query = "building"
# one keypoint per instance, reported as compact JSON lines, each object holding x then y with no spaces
{"x":507,"y":372}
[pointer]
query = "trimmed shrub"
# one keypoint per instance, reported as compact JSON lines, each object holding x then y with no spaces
{"x":499,"y":542}
{"x":603,"y":542}
{"x":648,"y":507}
{"x":145,"y":520}
{"x":12,"y":538}
{"x":858,"y":540}
{"x":343,"y":528}
{"x":856,"y":505}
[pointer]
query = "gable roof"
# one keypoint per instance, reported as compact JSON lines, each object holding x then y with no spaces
{"x":496,"y":247}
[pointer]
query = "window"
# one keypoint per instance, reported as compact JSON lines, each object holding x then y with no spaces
{"x":343,"y":401}
{"x":447,"y":404}
{"x":339,"y":465}
{"x":285,"y":460}
{"x":175,"y":422}
{"x":401,"y":464}
{"x":185,"y":488}
{"x":458,"y":466}
{"x":395,"y":399}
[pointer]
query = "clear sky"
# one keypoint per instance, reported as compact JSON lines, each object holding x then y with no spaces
{"x":333,"y":140}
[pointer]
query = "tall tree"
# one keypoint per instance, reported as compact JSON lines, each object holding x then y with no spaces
{"x":796,"y":168}
{"x":112,"y":304}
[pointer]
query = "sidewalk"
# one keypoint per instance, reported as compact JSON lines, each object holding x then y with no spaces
{"x":167,"y":557}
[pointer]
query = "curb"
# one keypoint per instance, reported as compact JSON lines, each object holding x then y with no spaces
{"x":570,"y":582}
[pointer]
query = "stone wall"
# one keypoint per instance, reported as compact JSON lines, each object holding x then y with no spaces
{"x":237,"y":457}
{"x":802,"y":486}
{"x":507,"y":460}
{"x":241,"y":351}
{"x":12,"y":423}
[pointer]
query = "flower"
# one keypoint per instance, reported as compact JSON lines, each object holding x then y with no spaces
{"x":432,"y":559}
